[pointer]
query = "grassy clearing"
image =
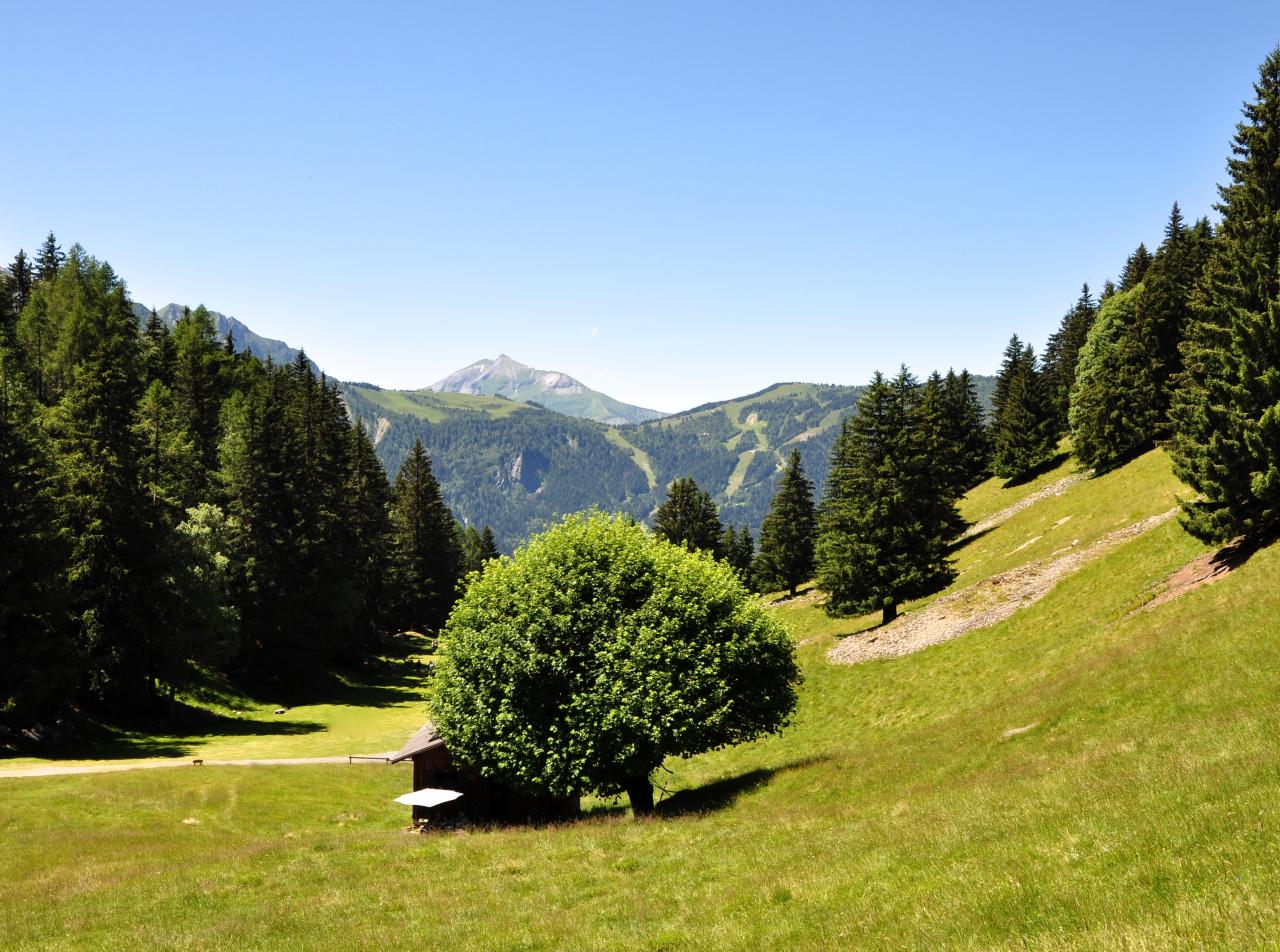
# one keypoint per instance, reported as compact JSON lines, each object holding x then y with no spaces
{"x":438,"y":407}
{"x":1136,"y":807}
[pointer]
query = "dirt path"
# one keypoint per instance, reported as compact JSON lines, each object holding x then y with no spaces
{"x":1053,"y":489}
{"x":983,"y":603}
{"x":57,"y":770}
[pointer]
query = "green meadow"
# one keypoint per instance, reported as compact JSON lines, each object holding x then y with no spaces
{"x":1082,"y":775}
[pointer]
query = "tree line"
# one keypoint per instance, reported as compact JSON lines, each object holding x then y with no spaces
{"x":168,"y":504}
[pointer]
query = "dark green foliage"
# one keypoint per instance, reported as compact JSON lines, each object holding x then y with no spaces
{"x":49,"y":259}
{"x":477,"y":548}
{"x":427,"y":560}
{"x":1135,"y":268}
{"x":1164,"y":309}
{"x":1113,"y":405}
{"x":38,"y":669}
{"x":688,"y":517}
{"x":367,"y":504}
{"x":1226,"y":413}
{"x":888,"y":516}
{"x":198,"y":392}
{"x":1024,"y":428}
{"x":115,"y":573}
{"x":740,"y":553}
{"x":21,"y":278}
{"x":1061,"y":355}
{"x":789,"y":531}
{"x":158,"y":354}
{"x":598,"y":651}
{"x":965,"y":438}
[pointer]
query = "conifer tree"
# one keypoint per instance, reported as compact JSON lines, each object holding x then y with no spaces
{"x":788,"y":533}
{"x":1135,"y":268}
{"x":157,"y":351}
{"x":1024,"y":434}
{"x":198,"y":394}
{"x":488,"y":546}
{"x":426,"y":548}
{"x":38,"y":669}
{"x":21,"y":277}
{"x":1226,"y":414}
{"x":49,"y":259}
{"x":739,"y":549}
{"x":884,"y":522}
{"x":368,"y":515}
{"x":689,"y":517}
{"x":1063,"y":352}
{"x":967,"y":438}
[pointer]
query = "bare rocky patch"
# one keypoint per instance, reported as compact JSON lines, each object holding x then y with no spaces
{"x":982,"y":604}
{"x":1053,"y":489}
{"x":1204,"y":570}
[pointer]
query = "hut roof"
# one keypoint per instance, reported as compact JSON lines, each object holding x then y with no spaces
{"x":425,"y":738}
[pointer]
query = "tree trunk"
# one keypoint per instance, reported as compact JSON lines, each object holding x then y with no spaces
{"x":640,"y":791}
{"x":889,"y":613}
{"x":794,"y":586}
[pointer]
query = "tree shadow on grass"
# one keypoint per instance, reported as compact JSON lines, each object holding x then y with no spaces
{"x":965,"y":540}
{"x":1053,"y":462}
{"x":720,"y":794}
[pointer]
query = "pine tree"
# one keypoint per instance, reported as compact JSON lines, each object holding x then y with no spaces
{"x":689,"y":517}
{"x":966,"y":436}
{"x":157,"y":351}
{"x":740,"y":552}
{"x":49,"y":259}
{"x":1164,"y":308}
{"x":21,"y":277}
{"x":38,"y":669}
{"x":198,"y":394}
{"x":1226,"y":414}
{"x":1024,"y":432}
{"x":426,"y":548}
{"x":1135,"y":268}
{"x":368,"y":515}
{"x":1063,"y":352}
{"x":488,"y":546}
{"x":884,"y":522}
{"x":116,"y":568}
{"x":788,"y":533}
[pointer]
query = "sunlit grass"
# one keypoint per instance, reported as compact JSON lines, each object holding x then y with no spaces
{"x":1078,"y":776}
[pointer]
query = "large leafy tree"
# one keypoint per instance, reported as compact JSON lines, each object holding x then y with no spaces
{"x":1226,"y":414}
{"x":789,"y":531}
{"x":597,"y":652}
{"x":1113,"y":403}
{"x":688,"y":517}
{"x":888,"y":515}
{"x":427,"y":557}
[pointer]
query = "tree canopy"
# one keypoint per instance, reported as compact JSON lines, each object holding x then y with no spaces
{"x":597,"y":651}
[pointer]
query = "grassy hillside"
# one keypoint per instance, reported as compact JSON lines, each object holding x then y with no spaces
{"x":432,"y":406}
{"x":1082,"y":775}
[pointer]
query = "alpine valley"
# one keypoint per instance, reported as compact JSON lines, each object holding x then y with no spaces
{"x":515,"y":447}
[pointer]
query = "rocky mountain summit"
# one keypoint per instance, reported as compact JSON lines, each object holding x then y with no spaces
{"x":506,"y":377}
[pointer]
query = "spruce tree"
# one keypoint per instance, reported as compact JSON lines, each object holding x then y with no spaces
{"x":368,"y":515}
{"x":488,"y":546}
{"x":1135,"y":268}
{"x":49,"y":259}
{"x":740,"y":553}
{"x":1226,"y":414}
{"x":788,"y":533}
{"x":1062,"y":353}
{"x":426,"y":548}
{"x":966,"y":436}
{"x":884,"y":522}
{"x":1024,"y":432}
{"x":38,"y":669}
{"x":21,"y":277}
{"x":689,"y":517}
{"x":157,"y":351}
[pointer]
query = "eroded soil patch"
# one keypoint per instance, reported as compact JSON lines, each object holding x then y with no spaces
{"x":982,"y":604}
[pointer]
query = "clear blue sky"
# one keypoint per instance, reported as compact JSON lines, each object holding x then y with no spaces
{"x":675,"y":202}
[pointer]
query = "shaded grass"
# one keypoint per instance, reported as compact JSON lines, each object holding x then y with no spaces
{"x":1138,"y":808}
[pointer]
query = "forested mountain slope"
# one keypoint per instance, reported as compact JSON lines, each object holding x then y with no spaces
{"x":513,"y":466}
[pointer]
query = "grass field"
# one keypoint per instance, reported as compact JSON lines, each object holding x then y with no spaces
{"x":1079,"y":776}
{"x":437,"y":407}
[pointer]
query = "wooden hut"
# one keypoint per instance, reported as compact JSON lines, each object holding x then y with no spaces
{"x":482,"y":800}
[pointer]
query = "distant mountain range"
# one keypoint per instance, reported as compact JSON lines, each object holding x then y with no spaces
{"x":552,"y":389}
{"x":243,"y":338}
{"x":515,"y":447}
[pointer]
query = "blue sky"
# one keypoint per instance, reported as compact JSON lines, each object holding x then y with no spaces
{"x":674,"y":202}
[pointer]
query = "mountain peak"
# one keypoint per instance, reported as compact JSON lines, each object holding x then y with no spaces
{"x":505,"y":376}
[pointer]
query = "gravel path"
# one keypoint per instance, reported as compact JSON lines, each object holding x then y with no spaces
{"x":1053,"y":489}
{"x":57,"y":770}
{"x":983,"y":603}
